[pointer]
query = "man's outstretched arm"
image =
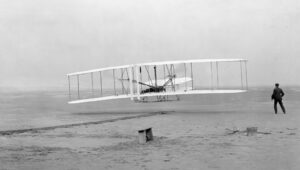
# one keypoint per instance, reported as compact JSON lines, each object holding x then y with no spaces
{"x":282,"y":93}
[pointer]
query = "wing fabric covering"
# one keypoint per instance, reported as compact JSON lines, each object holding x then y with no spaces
{"x":202,"y":76}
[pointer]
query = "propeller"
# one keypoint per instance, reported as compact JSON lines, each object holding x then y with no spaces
{"x":170,"y":79}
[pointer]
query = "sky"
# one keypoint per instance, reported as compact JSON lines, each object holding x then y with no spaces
{"x":41,"y":40}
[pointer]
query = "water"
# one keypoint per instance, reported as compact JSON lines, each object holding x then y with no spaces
{"x":33,"y":109}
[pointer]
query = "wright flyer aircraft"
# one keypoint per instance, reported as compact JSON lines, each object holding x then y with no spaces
{"x":159,"y":81}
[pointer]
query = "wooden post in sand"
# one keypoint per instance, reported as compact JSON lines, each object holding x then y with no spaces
{"x":251,"y":131}
{"x":145,"y":135}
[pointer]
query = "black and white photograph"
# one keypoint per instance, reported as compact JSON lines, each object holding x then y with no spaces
{"x":149,"y":85}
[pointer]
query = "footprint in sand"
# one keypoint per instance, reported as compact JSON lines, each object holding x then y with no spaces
{"x":168,"y":157}
{"x":291,"y":128}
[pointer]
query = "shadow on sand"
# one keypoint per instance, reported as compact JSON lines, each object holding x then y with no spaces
{"x":208,"y":111}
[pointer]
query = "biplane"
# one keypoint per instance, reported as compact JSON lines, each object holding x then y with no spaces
{"x":159,"y":81}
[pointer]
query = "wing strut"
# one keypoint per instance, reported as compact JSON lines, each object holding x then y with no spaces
{"x":92,"y":78}
{"x":173,"y":73}
{"x":114,"y":81}
{"x":164,"y":68}
{"x":122,"y":73}
{"x":101,"y":83}
{"x":217,"y":65}
{"x":211,"y":76}
{"x":241,"y":74}
{"x":78,"y":87}
{"x":69,"y":87}
{"x":246,"y":75}
{"x":192,"y":76}
{"x":137,"y":69}
{"x":149,"y":77}
{"x":155,"y":76}
{"x":131,"y":83}
{"x":185,"y":76}
{"x":128,"y":78}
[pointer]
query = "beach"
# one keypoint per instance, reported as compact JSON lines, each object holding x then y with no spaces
{"x":197,"y":132}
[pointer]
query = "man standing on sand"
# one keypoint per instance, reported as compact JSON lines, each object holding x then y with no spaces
{"x":277,"y":97}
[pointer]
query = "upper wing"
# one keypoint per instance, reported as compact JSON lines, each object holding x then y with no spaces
{"x":193,"y":61}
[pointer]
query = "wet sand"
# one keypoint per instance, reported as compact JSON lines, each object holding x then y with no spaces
{"x":193,"y":134}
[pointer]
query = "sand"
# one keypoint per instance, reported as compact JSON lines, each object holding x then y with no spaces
{"x":190,"y":134}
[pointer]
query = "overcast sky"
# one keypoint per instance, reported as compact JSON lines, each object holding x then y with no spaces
{"x":42,"y":40}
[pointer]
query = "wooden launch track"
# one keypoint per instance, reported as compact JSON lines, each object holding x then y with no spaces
{"x":35,"y":130}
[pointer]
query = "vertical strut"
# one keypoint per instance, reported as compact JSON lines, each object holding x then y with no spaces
{"x":155,"y":76}
{"x":164,"y":67}
{"x":127,"y":88}
{"x":149,"y":77}
{"x":185,"y":77}
{"x":130,"y":83}
{"x":211,"y":76}
{"x":246,"y":74}
{"x":78,"y":95}
{"x":122,"y":73}
{"x":69,"y":87}
{"x":192,"y":76}
{"x":92,"y":78}
{"x":241,"y":74}
{"x":133,"y":77}
{"x":137,"y":74}
{"x":173,"y":72}
{"x":114,"y":81}
{"x":101,"y":83}
{"x":140,"y":79}
{"x":217,"y":65}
